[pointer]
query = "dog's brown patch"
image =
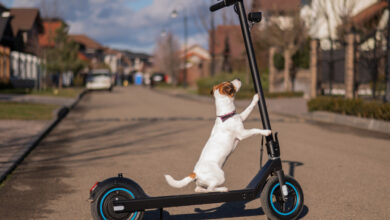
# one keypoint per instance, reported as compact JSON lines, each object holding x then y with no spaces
{"x":225,"y":88}
{"x":192,"y":175}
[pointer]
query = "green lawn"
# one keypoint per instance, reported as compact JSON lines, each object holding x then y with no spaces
{"x":65,"y":92}
{"x":26,"y":111}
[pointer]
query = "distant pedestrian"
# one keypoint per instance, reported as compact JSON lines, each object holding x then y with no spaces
{"x":138,"y":78}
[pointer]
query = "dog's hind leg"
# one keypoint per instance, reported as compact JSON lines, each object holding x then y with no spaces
{"x":221,"y":189}
{"x":200,"y":189}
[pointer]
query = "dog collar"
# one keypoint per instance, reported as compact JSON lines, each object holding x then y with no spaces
{"x":227,"y":116}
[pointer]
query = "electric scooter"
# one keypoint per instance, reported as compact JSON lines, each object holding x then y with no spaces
{"x":281,"y":196}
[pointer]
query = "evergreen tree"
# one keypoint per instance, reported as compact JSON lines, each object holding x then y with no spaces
{"x":63,"y":57}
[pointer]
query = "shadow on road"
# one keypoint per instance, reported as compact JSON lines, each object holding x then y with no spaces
{"x":226,"y":210}
{"x":292,"y":165}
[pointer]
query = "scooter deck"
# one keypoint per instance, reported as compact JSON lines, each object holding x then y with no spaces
{"x":250,"y":193}
{"x":183,"y":200}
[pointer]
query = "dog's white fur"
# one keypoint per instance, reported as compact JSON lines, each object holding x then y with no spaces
{"x":224,"y":138}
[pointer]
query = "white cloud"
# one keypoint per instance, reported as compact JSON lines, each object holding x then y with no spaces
{"x":114,"y":23}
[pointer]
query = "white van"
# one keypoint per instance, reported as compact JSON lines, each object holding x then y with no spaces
{"x":100,"y":79}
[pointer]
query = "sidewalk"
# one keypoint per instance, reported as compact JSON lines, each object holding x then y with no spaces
{"x":15,"y":135}
{"x":18,"y":136}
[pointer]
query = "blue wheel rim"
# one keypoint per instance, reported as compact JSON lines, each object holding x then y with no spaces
{"x":273,"y":206}
{"x":110,"y":191}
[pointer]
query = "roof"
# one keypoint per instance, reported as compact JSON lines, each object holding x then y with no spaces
{"x":110,"y":51}
{"x":2,"y":7}
{"x":132,"y":55}
{"x":24,"y":19}
{"x":279,"y":5}
{"x":81,"y":56}
{"x":233,"y":34}
{"x":196,"y":50}
{"x":369,"y":13}
{"x":46,"y":39}
{"x":86,"y":41}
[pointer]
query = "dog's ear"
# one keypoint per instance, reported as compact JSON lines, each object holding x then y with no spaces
{"x":229,"y":90}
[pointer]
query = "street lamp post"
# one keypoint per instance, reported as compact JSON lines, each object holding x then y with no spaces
{"x":174,"y":14}
{"x":387,"y":68}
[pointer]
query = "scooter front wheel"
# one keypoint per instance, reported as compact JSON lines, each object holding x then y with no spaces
{"x":114,"y":189}
{"x":272,"y":200}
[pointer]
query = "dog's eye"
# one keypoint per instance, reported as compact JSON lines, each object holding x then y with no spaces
{"x":229,"y":90}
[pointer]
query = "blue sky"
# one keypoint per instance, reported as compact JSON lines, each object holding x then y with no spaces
{"x":125,"y":24}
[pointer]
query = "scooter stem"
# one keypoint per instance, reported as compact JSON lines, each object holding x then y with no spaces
{"x":239,"y":6}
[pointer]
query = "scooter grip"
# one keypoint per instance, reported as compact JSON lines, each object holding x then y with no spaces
{"x":218,"y":6}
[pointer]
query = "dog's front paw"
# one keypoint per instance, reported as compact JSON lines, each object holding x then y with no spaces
{"x":267,"y":132}
{"x":255,"y":98}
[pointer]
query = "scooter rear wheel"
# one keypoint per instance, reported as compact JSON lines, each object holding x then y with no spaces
{"x":272,"y":201}
{"x":112,"y":190}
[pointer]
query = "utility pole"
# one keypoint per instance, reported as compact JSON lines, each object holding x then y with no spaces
{"x":174,"y":14}
{"x":387,"y":70}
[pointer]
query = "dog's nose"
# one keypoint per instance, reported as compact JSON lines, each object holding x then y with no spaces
{"x":238,"y":79}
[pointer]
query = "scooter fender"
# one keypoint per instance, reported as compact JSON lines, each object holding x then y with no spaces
{"x":118,"y":181}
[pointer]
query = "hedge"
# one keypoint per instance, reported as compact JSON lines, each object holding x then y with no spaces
{"x":354,"y":107}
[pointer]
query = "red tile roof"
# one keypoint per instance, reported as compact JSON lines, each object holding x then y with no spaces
{"x":46,"y":39}
{"x":24,"y":19}
{"x":87,"y":41}
{"x":81,"y":56}
{"x":369,"y":13}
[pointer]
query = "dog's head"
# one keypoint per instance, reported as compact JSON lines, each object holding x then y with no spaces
{"x":228,"y":89}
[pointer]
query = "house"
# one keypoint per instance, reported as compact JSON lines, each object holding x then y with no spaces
{"x":90,"y":49}
{"x":137,"y":62}
{"x":6,"y":43}
{"x":50,"y":26}
{"x":325,"y":29}
{"x":229,"y":48}
{"x":26,"y":25}
{"x":197,"y":64}
{"x":370,"y":22}
{"x":114,"y":59}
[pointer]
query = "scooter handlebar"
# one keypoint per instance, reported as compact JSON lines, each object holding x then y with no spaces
{"x":222,"y":4}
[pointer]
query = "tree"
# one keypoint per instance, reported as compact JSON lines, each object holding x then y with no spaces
{"x":63,"y":57}
{"x":288,"y":33}
{"x":167,"y":57}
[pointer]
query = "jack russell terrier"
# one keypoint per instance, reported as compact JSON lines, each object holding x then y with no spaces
{"x":228,"y":130}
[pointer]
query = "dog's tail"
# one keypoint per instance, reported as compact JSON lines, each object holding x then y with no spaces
{"x":180,"y":183}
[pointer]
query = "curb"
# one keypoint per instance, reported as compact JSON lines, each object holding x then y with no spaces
{"x":61,"y":114}
{"x":351,"y":121}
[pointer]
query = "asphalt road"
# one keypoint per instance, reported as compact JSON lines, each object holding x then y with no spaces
{"x":144,"y":134}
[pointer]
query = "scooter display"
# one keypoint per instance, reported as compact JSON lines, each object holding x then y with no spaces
{"x":281,"y":196}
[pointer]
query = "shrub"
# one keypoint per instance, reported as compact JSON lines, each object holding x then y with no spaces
{"x":355,"y":107}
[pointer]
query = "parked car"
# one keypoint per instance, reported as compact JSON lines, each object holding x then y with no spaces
{"x":100,"y":79}
{"x":158,"y":78}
